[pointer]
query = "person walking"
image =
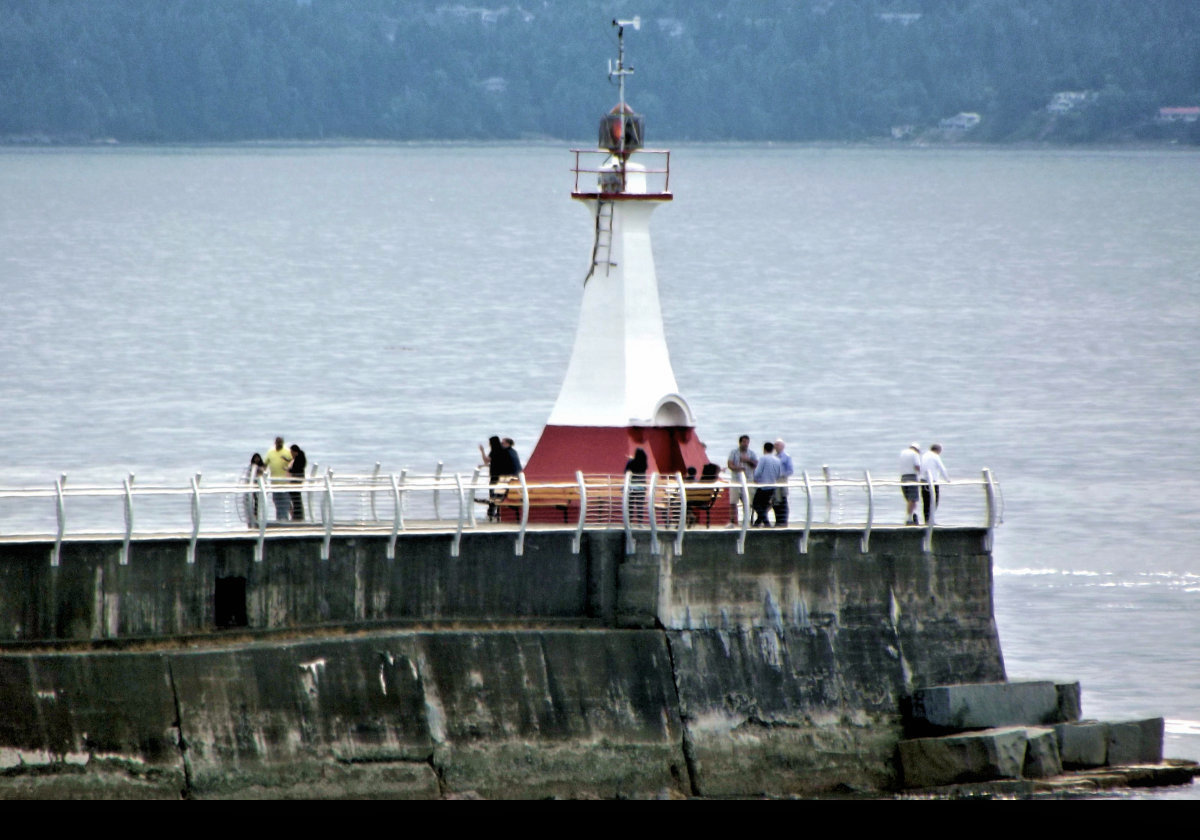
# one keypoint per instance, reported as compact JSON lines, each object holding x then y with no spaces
{"x":932,"y":470}
{"x":910,"y":468}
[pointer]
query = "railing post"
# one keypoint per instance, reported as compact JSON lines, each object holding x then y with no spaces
{"x":746,"y":515}
{"x":471,"y":507}
{"x":61,"y":512}
{"x":927,"y":537}
{"x":519,"y":548}
{"x":262,"y":519}
{"x":828,"y":494}
{"x":577,"y":541}
{"x":327,"y":514}
{"x":808,"y":512}
{"x":652,"y":513}
{"x":630,"y":544}
{"x":374,"y":483}
{"x":391,"y":546}
{"x":191,"y":552}
{"x":124,"y":561}
{"x":461,"y":515}
{"x":866,"y":538}
{"x":437,"y":483}
{"x":403,"y":497}
{"x":989,"y":488}
{"x":682,"y":514}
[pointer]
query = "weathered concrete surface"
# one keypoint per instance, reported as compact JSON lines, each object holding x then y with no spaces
{"x":90,"y":595}
{"x":492,"y":713}
{"x":1135,"y":742}
{"x":706,"y":672}
{"x":984,"y":706}
{"x":967,"y":757}
{"x":791,"y":668}
{"x":1083,"y":744}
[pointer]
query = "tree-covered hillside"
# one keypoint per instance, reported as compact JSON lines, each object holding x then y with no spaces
{"x":226,"y":70}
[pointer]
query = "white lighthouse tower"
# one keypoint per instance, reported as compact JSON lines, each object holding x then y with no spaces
{"x":619,"y":392}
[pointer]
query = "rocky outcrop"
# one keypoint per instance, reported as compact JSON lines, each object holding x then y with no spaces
{"x":994,"y":735}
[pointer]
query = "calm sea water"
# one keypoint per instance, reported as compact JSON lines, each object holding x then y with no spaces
{"x":170,"y":311}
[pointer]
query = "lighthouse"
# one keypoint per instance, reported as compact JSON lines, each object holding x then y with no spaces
{"x":619,"y":393}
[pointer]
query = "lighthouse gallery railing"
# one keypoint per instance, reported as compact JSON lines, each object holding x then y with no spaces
{"x":394,"y":503}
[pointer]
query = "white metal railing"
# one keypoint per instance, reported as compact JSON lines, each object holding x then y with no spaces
{"x":391,"y":503}
{"x":649,"y":174}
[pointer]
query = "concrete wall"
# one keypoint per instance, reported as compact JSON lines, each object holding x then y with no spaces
{"x":598,"y":674}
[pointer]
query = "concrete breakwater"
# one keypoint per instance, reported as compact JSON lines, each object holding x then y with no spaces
{"x":553,"y":673}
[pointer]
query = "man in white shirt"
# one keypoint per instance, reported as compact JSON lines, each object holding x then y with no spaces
{"x":910,"y":468}
{"x":932,"y":471}
{"x":780,"y":503}
{"x":741,"y":461}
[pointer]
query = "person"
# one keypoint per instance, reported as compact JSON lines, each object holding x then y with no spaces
{"x":513,"y":456}
{"x":910,"y":468}
{"x":500,"y":468}
{"x":741,"y":461}
{"x":254,"y":472}
{"x":766,"y":474}
{"x":636,"y":467}
{"x":780,"y":502}
{"x":932,"y":469}
{"x":278,"y":459}
{"x":296,"y":471}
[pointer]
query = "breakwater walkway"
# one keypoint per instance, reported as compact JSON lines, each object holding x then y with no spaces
{"x":498,"y":660}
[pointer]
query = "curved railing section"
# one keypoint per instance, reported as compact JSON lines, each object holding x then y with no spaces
{"x":653,"y":509}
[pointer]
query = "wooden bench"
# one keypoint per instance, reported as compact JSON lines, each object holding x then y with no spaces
{"x":699,"y":497}
{"x":702,"y":497}
{"x":561,"y":498}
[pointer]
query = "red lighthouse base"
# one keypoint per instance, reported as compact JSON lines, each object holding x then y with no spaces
{"x":602,"y":451}
{"x":563,"y":450}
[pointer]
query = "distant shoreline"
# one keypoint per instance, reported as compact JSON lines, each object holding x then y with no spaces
{"x":541,"y":141}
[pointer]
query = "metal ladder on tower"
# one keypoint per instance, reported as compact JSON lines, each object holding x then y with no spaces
{"x":602,"y":247}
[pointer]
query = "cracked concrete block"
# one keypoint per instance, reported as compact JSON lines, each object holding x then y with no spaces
{"x":1135,"y":742}
{"x":984,"y":706}
{"x":1082,"y":745}
{"x":969,"y":757}
{"x":1042,"y":759}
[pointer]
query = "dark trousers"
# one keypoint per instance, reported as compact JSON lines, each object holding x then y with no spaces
{"x":925,"y":499}
{"x":779,"y":503}
{"x":762,"y":503}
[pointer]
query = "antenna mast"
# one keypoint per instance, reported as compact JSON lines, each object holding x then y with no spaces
{"x":621,"y":72}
